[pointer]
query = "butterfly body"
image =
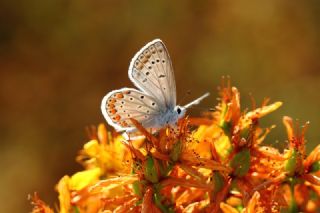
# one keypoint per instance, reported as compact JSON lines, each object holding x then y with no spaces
{"x":171,"y":116}
{"x":154,"y":104}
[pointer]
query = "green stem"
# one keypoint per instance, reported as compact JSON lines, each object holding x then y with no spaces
{"x":293,"y":207}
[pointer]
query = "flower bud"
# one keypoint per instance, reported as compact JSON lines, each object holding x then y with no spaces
{"x":315,"y":167}
{"x":241,"y":162}
{"x":291,"y":162}
{"x":176,"y":150}
{"x":151,"y":170}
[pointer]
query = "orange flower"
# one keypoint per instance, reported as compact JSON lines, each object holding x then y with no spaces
{"x":106,"y":152}
{"x":213,"y":163}
{"x":38,"y":205}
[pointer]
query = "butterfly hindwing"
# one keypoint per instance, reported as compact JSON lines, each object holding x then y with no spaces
{"x":151,"y":71}
{"x":119,"y":106}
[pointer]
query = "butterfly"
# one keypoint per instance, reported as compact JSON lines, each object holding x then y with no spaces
{"x":153,"y":104}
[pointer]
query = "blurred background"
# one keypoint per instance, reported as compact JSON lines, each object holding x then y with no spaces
{"x":59,"y":58}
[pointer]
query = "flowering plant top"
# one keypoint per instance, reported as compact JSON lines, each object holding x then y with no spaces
{"x":216,"y":162}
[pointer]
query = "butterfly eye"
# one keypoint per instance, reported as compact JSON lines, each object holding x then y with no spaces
{"x":178,"y":110}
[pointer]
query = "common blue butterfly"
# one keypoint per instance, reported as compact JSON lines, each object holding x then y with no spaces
{"x":153,"y":104}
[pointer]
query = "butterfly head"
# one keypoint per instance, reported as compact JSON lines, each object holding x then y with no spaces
{"x":179,"y":111}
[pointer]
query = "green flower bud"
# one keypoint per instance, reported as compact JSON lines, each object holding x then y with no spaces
{"x":218,"y":182}
{"x":315,"y":166}
{"x":241,"y":162}
{"x":291,"y":162}
{"x":176,"y":151}
{"x":137,"y":188}
{"x":150,"y":170}
{"x":226,"y":126}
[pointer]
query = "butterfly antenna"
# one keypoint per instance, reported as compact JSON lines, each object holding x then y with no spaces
{"x":197,"y":101}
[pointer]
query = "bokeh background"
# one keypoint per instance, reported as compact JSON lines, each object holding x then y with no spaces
{"x":59,"y":58}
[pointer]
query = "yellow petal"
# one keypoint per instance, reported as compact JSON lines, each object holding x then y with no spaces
{"x":64,"y":194}
{"x":92,"y":148}
{"x":84,"y":178}
{"x":258,"y":113}
{"x":226,"y":208}
{"x":102,"y":134}
{"x":223,"y":146}
{"x":202,"y":138}
{"x":253,"y":203}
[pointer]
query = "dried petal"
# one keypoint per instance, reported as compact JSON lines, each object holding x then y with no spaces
{"x":147,"y":203}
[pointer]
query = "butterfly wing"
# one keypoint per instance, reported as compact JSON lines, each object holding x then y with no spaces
{"x":118,"y":106}
{"x":151,"y":71}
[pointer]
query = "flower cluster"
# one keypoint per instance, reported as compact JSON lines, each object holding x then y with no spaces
{"x":216,"y":163}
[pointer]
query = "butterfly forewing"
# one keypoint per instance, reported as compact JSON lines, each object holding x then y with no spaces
{"x":151,"y":71}
{"x":119,"y":106}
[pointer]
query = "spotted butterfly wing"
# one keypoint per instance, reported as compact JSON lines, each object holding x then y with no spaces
{"x":119,"y":106}
{"x":151,"y":71}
